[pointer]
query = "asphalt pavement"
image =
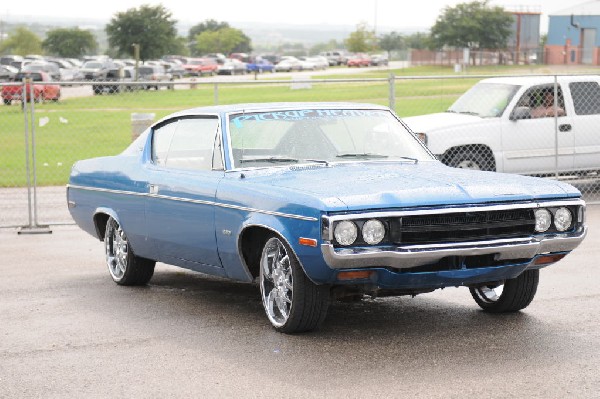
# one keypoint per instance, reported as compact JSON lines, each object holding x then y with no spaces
{"x":66,"y":330}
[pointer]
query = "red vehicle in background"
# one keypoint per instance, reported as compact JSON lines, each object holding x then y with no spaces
{"x":359,"y":60}
{"x":201,"y":66}
{"x":43,"y":88}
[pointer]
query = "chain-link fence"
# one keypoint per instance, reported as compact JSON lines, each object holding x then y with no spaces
{"x":499,"y":124}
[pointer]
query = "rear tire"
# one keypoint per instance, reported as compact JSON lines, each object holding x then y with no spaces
{"x":291,"y":301}
{"x":516,"y":293}
{"x":124,"y":266}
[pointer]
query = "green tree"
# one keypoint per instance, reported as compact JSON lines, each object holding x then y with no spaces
{"x":361,"y":40}
{"x":151,"y":27}
{"x":71,"y":43}
{"x":475,"y":25}
{"x":224,"y":40}
{"x":391,"y":41}
{"x":325,"y":46}
{"x":21,"y":41}
{"x":418,"y":40}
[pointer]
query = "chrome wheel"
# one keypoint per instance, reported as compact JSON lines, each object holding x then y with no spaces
{"x":117,"y":250}
{"x":276,"y":282}
{"x":489,"y":294}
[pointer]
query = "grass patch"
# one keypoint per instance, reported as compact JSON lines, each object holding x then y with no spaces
{"x":86,"y":127}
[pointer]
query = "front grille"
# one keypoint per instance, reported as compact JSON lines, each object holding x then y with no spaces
{"x":464,"y":226}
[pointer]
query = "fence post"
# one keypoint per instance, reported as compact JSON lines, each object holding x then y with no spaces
{"x":32,"y":228}
{"x":392,"y":92}
{"x":556,"y":126}
{"x":216,"y":90}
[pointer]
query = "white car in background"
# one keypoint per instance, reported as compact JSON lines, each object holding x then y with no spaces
{"x":496,"y":125}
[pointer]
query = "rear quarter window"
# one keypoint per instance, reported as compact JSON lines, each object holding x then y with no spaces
{"x":586,"y":97}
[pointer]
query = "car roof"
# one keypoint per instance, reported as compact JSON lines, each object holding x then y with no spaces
{"x":540,"y":79}
{"x":256,"y":107}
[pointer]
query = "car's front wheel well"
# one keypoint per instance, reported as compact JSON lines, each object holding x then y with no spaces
{"x":251,"y":244}
{"x":100,"y":220}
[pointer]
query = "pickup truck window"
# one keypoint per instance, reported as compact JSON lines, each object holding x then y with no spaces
{"x":586,"y":97}
{"x":540,"y":101}
{"x":486,"y":100}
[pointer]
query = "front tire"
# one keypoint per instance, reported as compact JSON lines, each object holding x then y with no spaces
{"x":124,"y":267}
{"x":291,"y":301}
{"x":471,"y":160}
{"x":514,"y":295}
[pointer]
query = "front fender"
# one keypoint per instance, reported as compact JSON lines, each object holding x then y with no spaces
{"x":291,"y":230}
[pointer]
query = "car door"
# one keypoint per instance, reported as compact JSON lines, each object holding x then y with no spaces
{"x":182,"y":181}
{"x":586,"y":106}
{"x":530,"y":143}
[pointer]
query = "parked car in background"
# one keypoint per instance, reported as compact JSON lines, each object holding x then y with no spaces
{"x":43,"y":66}
{"x":7,"y":73}
{"x":379,"y":59}
{"x":232,"y":67}
{"x":43,"y":88}
{"x":288,"y":64}
{"x":67,"y":70}
{"x":319,"y":201}
{"x":318,"y":62}
{"x":9,"y":59}
{"x":335,"y":57}
{"x":175,"y":68}
{"x":95,"y":70}
{"x":201,"y":66}
{"x":155,"y":74}
{"x":260,"y":65}
{"x":117,"y":80}
{"x":497,"y":125}
{"x":359,"y":60}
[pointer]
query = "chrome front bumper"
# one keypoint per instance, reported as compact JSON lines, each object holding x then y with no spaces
{"x":404,"y":257}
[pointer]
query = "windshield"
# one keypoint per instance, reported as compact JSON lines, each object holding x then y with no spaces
{"x":320,"y":135}
{"x":486,"y":100}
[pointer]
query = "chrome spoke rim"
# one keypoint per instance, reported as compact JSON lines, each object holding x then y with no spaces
{"x":117,"y":249}
{"x":490,"y":294}
{"x":276,"y":283}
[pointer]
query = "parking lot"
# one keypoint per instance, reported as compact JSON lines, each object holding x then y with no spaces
{"x":69,"y":331}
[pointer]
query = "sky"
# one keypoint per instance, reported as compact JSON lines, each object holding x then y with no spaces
{"x":395,"y":14}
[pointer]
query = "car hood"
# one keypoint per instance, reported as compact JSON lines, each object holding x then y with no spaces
{"x":427,"y":123}
{"x":365,"y":185}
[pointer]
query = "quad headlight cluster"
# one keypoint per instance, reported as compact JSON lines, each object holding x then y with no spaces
{"x":372,"y":231}
{"x":561,"y":217}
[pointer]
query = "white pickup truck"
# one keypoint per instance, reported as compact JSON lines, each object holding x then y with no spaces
{"x":503,"y":124}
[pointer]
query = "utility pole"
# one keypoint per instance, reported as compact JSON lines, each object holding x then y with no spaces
{"x":136,"y":56}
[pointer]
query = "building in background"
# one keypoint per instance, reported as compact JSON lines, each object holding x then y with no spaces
{"x":524,"y":41}
{"x":573,"y":37}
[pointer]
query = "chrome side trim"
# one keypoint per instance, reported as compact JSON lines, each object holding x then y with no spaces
{"x":194,"y":201}
{"x":406,"y":257}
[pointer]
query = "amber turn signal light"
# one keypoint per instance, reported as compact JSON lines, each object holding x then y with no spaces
{"x":545,"y":259}
{"x":355,"y":275}
{"x":309,"y":242}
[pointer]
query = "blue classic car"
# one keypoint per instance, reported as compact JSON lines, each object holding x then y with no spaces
{"x":319,"y":201}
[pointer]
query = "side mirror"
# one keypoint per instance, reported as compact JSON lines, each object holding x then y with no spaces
{"x":520,"y":113}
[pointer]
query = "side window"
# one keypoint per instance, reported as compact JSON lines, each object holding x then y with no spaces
{"x":539,"y":102}
{"x":161,"y":141}
{"x":192,"y":144}
{"x":586,"y":97}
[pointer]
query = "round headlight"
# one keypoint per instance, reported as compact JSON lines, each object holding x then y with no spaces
{"x":562,"y":219}
{"x":345,"y":232}
{"x":373,"y":231}
{"x":543,"y":219}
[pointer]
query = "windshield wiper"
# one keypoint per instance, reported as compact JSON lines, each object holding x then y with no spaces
{"x":324,"y":162}
{"x":361,"y":155}
{"x":269,"y":159}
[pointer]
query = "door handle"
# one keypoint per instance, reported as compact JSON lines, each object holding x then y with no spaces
{"x":153,"y":189}
{"x":564,"y":127}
